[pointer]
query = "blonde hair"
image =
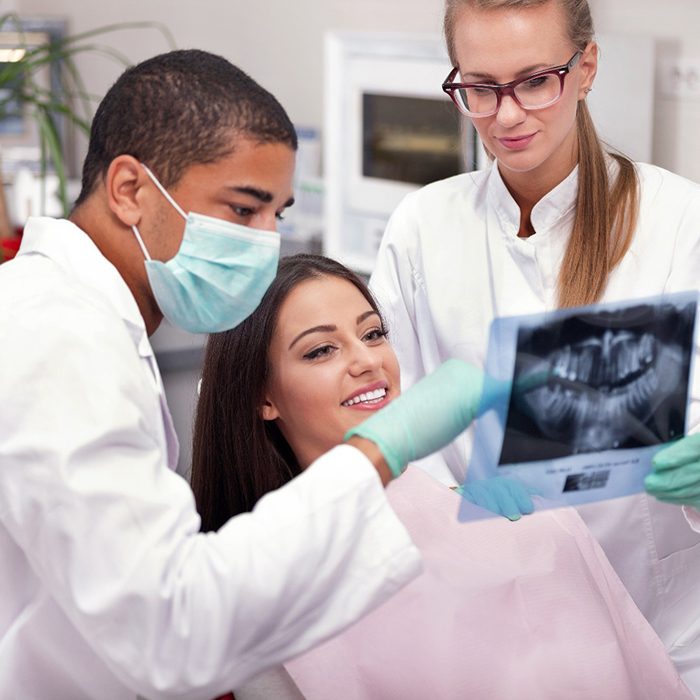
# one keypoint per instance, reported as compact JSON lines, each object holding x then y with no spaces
{"x":606,"y":212}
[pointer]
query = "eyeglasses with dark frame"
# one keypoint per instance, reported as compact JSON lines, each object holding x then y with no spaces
{"x":536,"y":91}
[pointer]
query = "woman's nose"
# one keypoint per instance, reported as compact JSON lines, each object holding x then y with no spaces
{"x":364,"y":359}
{"x":510,"y":112}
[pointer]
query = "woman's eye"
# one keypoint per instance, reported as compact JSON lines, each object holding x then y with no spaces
{"x":279,"y":216}
{"x":323,"y":351}
{"x":375,"y":334}
{"x":535,"y":83}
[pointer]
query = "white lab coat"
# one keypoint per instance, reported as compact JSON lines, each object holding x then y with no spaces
{"x":451,"y":261}
{"x":107,"y":589}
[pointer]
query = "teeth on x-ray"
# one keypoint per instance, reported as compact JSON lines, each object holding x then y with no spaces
{"x":607,"y":362}
{"x":618,"y":380}
{"x":609,"y":381}
{"x":597,"y":386}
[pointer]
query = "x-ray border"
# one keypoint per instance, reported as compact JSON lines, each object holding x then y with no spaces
{"x":627,"y":467}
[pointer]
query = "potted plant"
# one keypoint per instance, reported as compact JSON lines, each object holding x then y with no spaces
{"x":41,"y":84}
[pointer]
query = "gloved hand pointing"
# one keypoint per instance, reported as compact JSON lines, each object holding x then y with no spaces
{"x":675,"y":477}
{"x":430,"y":414}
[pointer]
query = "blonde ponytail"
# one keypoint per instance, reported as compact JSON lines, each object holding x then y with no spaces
{"x":605,"y":219}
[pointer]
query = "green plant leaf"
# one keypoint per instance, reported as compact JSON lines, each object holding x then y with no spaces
{"x":23,"y":90}
{"x":51,"y":141}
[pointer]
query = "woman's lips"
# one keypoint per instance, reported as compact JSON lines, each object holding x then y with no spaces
{"x":371,"y":405}
{"x":516,"y":143}
{"x":369,"y":398}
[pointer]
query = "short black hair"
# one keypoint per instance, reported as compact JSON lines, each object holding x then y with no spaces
{"x":179,"y":109}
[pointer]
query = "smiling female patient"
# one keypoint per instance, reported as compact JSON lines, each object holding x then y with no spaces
{"x":500,"y":606}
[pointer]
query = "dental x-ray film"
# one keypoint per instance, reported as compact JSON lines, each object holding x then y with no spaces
{"x":594,"y":392}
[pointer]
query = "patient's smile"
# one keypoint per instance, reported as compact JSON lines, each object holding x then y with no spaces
{"x":332,"y":365}
{"x":368,"y":399}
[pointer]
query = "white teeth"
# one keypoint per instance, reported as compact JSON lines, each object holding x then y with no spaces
{"x":370,"y":396}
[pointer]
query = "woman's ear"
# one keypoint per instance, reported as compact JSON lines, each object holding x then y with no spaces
{"x":588,"y":65}
{"x":268,"y":411}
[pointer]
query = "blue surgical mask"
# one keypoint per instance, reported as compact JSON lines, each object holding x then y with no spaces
{"x":219,"y":274}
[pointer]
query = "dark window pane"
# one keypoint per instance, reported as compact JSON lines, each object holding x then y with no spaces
{"x":411,"y":139}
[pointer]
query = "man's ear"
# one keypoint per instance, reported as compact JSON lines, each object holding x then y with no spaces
{"x":268,"y":410}
{"x":124,"y":185}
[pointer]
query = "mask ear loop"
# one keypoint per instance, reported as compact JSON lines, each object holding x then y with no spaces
{"x":140,"y":241}
{"x":164,"y":192}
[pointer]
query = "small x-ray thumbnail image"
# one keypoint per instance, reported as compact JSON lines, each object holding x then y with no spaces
{"x":612,"y":379}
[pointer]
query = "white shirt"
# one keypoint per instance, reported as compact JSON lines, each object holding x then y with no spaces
{"x":107,"y":589}
{"x":451,"y":261}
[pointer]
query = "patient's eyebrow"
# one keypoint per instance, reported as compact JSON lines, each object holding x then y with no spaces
{"x":315,"y":329}
{"x":330,"y":328}
{"x":366,"y":315}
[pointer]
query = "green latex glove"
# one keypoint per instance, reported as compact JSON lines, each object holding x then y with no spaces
{"x":500,"y":495}
{"x":675,"y":475}
{"x":430,"y":414}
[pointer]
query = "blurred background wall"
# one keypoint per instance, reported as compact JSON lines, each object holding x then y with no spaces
{"x":281,"y":45}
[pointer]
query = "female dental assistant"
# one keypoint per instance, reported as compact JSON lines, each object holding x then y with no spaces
{"x":554,"y":221}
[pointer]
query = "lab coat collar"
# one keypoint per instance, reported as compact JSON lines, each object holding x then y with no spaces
{"x":74,"y":251}
{"x":546,"y":214}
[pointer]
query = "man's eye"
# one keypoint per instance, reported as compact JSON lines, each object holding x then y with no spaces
{"x":243,"y":212}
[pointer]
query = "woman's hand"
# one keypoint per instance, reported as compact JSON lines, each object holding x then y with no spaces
{"x":500,"y":495}
{"x":675,"y":475}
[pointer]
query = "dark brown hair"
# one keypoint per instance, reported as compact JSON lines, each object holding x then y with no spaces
{"x":237,"y":456}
